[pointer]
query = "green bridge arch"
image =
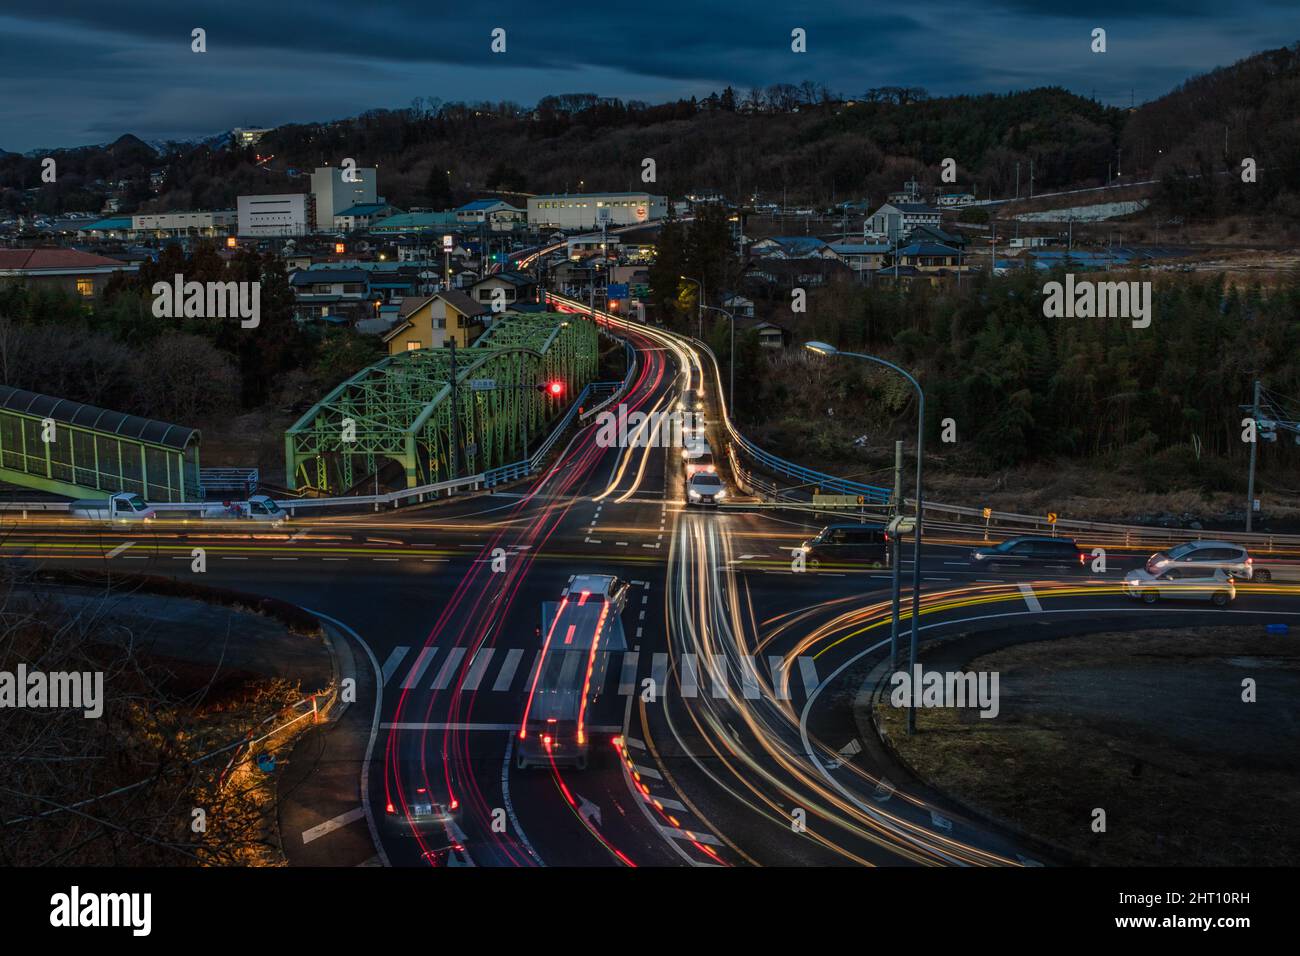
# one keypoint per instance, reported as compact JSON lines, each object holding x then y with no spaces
{"x":402,"y":408}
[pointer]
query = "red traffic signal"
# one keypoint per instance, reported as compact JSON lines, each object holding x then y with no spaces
{"x":554,"y":389}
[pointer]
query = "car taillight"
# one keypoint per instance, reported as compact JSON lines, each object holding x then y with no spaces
{"x":1082,"y":557}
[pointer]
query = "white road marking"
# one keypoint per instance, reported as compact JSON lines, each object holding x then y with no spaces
{"x":329,"y":826}
{"x":650,"y":772}
{"x":808,"y":671}
{"x":421,"y":664}
{"x":119,"y":549}
{"x":478,"y":667}
{"x":679,"y":834}
{"x":779,"y":684}
{"x":690,"y":676}
{"x":1030,"y":598}
{"x":627,"y":679}
{"x":507,"y":673}
{"x":448,"y":668}
{"x":394,"y":659}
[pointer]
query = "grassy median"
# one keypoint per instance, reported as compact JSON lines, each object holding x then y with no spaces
{"x":1149,"y":726}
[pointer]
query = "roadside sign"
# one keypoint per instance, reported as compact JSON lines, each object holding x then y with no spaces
{"x":1051,"y":517}
{"x":482,"y":384}
{"x":988,"y":513}
{"x":616,"y":290}
{"x":448,"y":242}
{"x":901,"y":524}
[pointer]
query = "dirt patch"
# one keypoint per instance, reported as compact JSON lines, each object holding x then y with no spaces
{"x":1149,"y":726}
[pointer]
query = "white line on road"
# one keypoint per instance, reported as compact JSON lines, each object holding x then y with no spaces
{"x":419,"y":667}
{"x":119,"y":549}
{"x":507,"y":672}
{"x":394,"y":659}
{"x":1030,"y":598}
{"x":329,"y":826}
{"x":448,"y":668}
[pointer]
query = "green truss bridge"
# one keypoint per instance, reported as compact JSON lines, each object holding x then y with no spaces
{"x":69,"y":448}
{"x":443,"y":413}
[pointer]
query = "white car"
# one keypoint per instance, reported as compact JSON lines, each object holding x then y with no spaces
{"x":1218,"y":588}
{"x":705,"y":488}
{"x":1198,"y":559}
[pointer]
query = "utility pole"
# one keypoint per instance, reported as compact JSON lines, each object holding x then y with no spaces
{"x":1017,"y":179}
{"x":896,"y":501}
{"x":1250,"y":480}
{"x":1031,"y":179}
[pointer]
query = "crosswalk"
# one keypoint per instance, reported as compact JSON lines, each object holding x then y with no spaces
{"x":512,"y":670}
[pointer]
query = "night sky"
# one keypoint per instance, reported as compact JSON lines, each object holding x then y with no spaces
{"x":81,"y":73}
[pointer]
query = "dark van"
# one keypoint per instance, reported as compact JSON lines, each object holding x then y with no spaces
{"x":1029,"y":553}
{"x":848,"y":544}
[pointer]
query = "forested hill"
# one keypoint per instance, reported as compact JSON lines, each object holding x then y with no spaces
{"x":801,"y":143}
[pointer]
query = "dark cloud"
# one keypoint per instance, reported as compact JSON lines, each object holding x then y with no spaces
{"x":77,"y":72}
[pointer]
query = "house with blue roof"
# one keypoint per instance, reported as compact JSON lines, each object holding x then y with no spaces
{"x":495,"y":213}
{"x":792,"y":247}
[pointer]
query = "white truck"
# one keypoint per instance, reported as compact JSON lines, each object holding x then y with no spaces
{"x":121,"y":508}
{"x":256,"y":508}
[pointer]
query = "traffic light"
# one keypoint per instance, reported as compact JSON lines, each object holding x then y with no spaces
{"x":554,"y":388}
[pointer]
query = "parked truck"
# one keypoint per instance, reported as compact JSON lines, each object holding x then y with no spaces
{"x":121,"y":508}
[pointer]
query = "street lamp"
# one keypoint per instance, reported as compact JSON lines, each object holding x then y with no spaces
{"x":822,"y":348}
{"x":731,"y":385}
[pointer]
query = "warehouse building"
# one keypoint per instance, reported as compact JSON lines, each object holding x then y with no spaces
{"x":589,"y":210}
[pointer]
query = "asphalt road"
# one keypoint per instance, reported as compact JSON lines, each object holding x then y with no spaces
{"x":724,"y":735}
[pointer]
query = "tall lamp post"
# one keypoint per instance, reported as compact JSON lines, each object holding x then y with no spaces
{"x":823,"y":348}
{"x":731,"y":384}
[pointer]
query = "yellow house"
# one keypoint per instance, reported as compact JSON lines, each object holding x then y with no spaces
{"x":430,"y":323}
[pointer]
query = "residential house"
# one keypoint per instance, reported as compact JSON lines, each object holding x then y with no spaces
{"x":67,"y":269}
{"x":893,"y":221}
{"x":771,"y":335}
{"x":738,"y":305}
{"x":862,"y":256}
{"x":928,"y":233}
{"x":337,"y":295}
{"x":500,"y":216}
{"x":504,"y":287}
{"x":430,"y":323}
{"x":932,"y":257}
{"x":792,"y":247}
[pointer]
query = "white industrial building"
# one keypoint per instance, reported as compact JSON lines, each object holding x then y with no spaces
{"x":583,"y":210}
{"x":284,"y":215}
{"x":333,"y":193}
{"x":163,"y":224}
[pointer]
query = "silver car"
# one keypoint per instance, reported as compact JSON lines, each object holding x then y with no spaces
{"x":1217,"y":587}
{"x":1198,"y":559}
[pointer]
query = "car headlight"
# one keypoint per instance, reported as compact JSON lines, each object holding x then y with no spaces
{"x":720,"y":494}
{"x":693,"y":495}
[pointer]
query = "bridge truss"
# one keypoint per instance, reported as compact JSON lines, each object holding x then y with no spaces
{"x":411,"y":408}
